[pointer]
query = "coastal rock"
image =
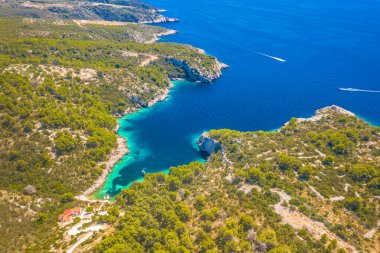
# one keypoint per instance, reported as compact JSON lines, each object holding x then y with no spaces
{"x":334,"y":108}
{"x":160,"y":10}
{"x":159,"y":98}
{"x":160,"y":19}
{"x":135,"y":99}
{"x":319,"y":114}
{"x":159,"y":35}
{"x":150,"y":103}
{"x":109,"y":10}
{"x":138,"y":101}
{"x":196,"y":75}
{"x":207,"y":144}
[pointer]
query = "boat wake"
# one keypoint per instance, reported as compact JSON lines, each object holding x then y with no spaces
{"x":272,"y":57}
{"x":358,"y":90}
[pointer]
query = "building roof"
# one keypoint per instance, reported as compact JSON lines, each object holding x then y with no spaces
{"x":64,"y":218}
{"x":70,"y":212}
{"x":76,"y":210}
{"x":67,"y":212}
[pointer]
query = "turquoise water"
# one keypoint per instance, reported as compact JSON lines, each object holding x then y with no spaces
{"x":326,"y":45}
{"x":145,"y":156}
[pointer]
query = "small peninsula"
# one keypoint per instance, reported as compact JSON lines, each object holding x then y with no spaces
{"x":312,"y":185}
{"x":108,"y":10}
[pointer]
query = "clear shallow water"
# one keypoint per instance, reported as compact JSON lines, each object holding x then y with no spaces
{"x":326,"y":44}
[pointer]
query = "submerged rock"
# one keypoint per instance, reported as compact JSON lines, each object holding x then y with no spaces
{"x":207,"y":144}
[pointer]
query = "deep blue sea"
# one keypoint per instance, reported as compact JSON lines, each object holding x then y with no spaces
{"x":326,"y":45}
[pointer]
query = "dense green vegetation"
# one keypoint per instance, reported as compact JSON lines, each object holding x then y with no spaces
{"x":113,"y":10}
{"x":235,"y":202}
{"x":175,"y":213}
{"x":31,"y":133}
{"x":81,"y":30}
{"x":59,"y":98}
{"x":312,"y":186}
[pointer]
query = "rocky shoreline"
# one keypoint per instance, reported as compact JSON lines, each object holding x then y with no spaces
{"x":159,"y":35}
{"x":119,"y":152}
{"x":207,"y":144}
{"x":195,"y":75}
{"x":122,"y":149}
{"x":160,"y":19}
{"x":320,"y":113}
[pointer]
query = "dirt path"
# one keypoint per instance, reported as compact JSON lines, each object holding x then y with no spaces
{"x":79,"y":242}
{"x":150,"y":58}
{"x":316,"y":192}
{"x":99,"y":22}
{"x":300,"y":221}
{"x":372,"y":232}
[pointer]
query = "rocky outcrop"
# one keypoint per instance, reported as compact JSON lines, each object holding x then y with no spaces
{"x":334,"y":108}
{"x":198,"y":75}
{"x":141,"y":104}
{"x":157,"y":36}
{"x":216,"y":71}
{"x":137,"y":100}
{"x":110,"y":10}
{"x":328,"y":110}
{"x":207,"y":144}
{"x":159,"y":98}
{"x":159,"y":19}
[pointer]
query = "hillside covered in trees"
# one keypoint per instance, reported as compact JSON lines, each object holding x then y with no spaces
{"x":62,"y":86}
{"x":111,"y":10}
{"x":311,"y":186}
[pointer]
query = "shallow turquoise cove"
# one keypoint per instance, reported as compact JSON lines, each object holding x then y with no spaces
{"x":288,"y":58}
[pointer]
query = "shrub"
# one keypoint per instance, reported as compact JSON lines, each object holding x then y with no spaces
{"x":64,"y":143}
{"x":286,"y":162}
{"x":67,"y":197}
{"x":362,"y":172}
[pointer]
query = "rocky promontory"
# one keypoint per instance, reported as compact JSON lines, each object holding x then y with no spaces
{"x":207,"y":144}
{"x":111,"y":10}
{"x":325,"y":111}
{"x":199,"y":73}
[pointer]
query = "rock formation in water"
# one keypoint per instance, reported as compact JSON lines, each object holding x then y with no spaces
{"x":197,"y":74}
{"x":207,"y":144}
